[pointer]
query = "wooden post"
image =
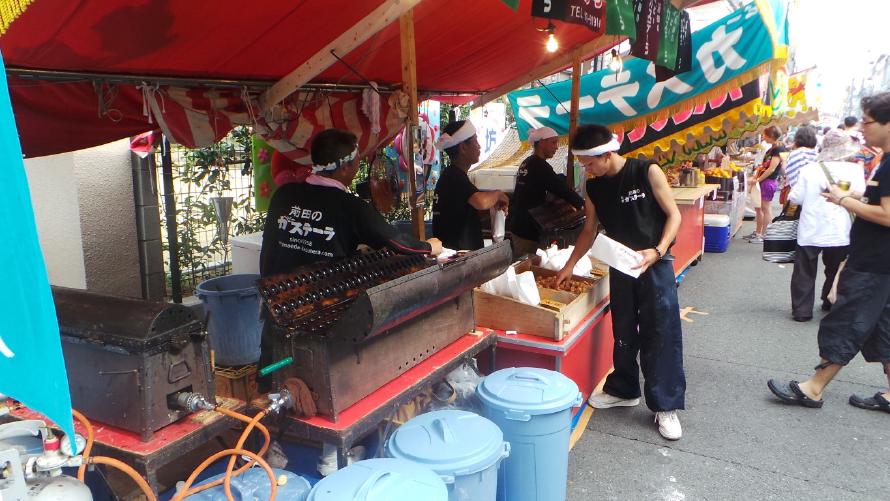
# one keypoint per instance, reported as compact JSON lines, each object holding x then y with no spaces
{"x":409,"y":85}
{"x":573,"y":115}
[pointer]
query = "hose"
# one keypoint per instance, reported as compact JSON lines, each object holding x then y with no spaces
{"x":91,"y":436}
{"x":186,"y":491}
{"x":227,"y":479}
{"x":124,"y":467}
{"x":244,"y":434}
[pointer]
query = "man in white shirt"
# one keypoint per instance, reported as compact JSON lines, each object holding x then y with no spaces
{"x":824,"y":227}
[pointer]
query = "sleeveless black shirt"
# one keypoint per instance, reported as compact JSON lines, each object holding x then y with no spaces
{"x":626,"y":206}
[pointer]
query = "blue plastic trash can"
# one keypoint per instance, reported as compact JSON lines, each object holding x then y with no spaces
{"x":464,"y":448}
{"x":234,"y":325}
{"x":383,"y":479}
{"x":254,"y":485}
{"x":533,"y":407}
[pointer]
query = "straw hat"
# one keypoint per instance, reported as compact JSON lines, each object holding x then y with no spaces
{"x":838,"y":146}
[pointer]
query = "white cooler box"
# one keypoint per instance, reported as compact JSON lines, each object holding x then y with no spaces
{"x":246,"y":252}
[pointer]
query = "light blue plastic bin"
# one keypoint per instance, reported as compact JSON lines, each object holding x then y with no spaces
{"x":381,"y":479}
{"x":465,"y":449}
{"x":253,"y":485}
{"x":234,"y":325}
{"x":533,"y":407}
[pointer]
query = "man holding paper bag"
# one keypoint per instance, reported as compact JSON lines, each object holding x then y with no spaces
{"x":633,"y":201}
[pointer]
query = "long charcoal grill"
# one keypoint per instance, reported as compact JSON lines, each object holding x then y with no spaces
{"x":126,"y":358}
{"x":352,"y":325}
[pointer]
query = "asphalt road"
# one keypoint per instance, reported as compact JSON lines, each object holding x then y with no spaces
{"x":738,"y":441}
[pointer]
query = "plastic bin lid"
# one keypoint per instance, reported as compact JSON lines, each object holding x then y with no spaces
{"x":522,"y":392}
{"x":720,"y":220}
{"x":449,"y":442}
{"x":381,"y":479}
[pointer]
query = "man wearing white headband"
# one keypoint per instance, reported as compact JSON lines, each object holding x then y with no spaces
{"x":455,"y":217}
{"x":534,"y":180}
{"x":320,"y":219}
{"x":633,"y":201}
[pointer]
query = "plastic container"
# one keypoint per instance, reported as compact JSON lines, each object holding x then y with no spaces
{"x":533,"y":407}
{"x":381,"y":479}
{"x":717,"y":232}
{"x":463,"y":448}
{"x":234,"y":323}
{"x":253,"y":485}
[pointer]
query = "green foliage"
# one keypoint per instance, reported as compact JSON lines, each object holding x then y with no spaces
{"x":224,"y":169}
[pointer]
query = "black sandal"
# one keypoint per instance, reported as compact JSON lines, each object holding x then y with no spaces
{"x":875,"y":403}
{"x":792,"y":394}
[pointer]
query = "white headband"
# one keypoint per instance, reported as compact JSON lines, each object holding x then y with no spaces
{"x":466,"y":131}
{"x":612,"y":145}
{"x":336,"y":163}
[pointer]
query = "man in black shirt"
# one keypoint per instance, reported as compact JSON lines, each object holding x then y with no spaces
{"x":859,"y":321}
{"x":319,"y":220}
{"x":633,"y":201}
{"x":455,"y":216}
{"x":534,"y":179}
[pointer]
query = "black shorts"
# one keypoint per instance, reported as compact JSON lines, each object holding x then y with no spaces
{"x":859,"y":320}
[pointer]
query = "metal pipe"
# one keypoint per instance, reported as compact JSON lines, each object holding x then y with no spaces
{"x":83,"y":76}
{"x":170,"y":212}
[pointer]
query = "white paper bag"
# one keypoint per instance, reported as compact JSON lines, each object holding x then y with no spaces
{"x":616,"y":255}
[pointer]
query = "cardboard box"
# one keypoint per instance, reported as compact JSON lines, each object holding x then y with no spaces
{"x":502,"y":313}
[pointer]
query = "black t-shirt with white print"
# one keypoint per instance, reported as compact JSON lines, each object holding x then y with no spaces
{"x":308,"y":223}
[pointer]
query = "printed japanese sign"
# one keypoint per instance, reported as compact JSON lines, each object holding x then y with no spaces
{"x":32,"y":368}
{"x":647,"y":14}
{"x":590,"y":13}
{"x":729,"y":48}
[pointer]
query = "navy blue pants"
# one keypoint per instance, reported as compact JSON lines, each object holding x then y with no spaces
{"x":646,"y":322}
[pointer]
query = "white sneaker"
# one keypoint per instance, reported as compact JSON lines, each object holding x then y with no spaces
{"x":669,"y":425}
{"x":605,"y":401}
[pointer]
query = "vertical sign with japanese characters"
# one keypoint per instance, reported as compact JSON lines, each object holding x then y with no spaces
{"x":647,"y":14}
{"x":620,"y":18}
{"x":589,"y":13}
{"x":729,"y":48}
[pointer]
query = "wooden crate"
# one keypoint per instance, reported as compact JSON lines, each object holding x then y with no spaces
{"x":236,"y":382}
{"x":503,"y":313}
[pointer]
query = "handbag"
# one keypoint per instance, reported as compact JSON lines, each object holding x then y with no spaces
{"x":780,"y":237}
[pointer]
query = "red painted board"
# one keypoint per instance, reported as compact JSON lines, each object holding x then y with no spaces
{"x":131,"y":442}
{"x":691,"y":235}
{"x":390,"y":390}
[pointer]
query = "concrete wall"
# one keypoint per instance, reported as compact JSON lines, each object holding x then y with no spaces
{"x":98,"y":249}
{"x":54,"y":198}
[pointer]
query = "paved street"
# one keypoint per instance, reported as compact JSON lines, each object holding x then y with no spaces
{"x":739,"y":442}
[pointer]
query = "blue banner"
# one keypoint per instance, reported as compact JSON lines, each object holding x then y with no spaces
{"x":32,"y":369}
{"x":725,"y":50}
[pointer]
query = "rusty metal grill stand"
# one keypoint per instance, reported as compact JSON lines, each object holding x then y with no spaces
{"x":125,"y":357}
{"x":347,"y":342}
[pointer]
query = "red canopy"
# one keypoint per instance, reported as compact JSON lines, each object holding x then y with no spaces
{"x":469,"y":46}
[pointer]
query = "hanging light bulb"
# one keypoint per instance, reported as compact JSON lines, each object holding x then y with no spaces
{"x":552,"y":43}
{"x":616,"y":64}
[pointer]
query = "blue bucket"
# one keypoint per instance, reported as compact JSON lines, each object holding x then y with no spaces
{"x":533,"y":407}
{"x":254,"y":484}
{"x":234,"y":325}
{"x":381,"y":479}
{"x":465,"y":449}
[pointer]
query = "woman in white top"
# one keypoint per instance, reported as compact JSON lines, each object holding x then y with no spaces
{"x":824,"y":227}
